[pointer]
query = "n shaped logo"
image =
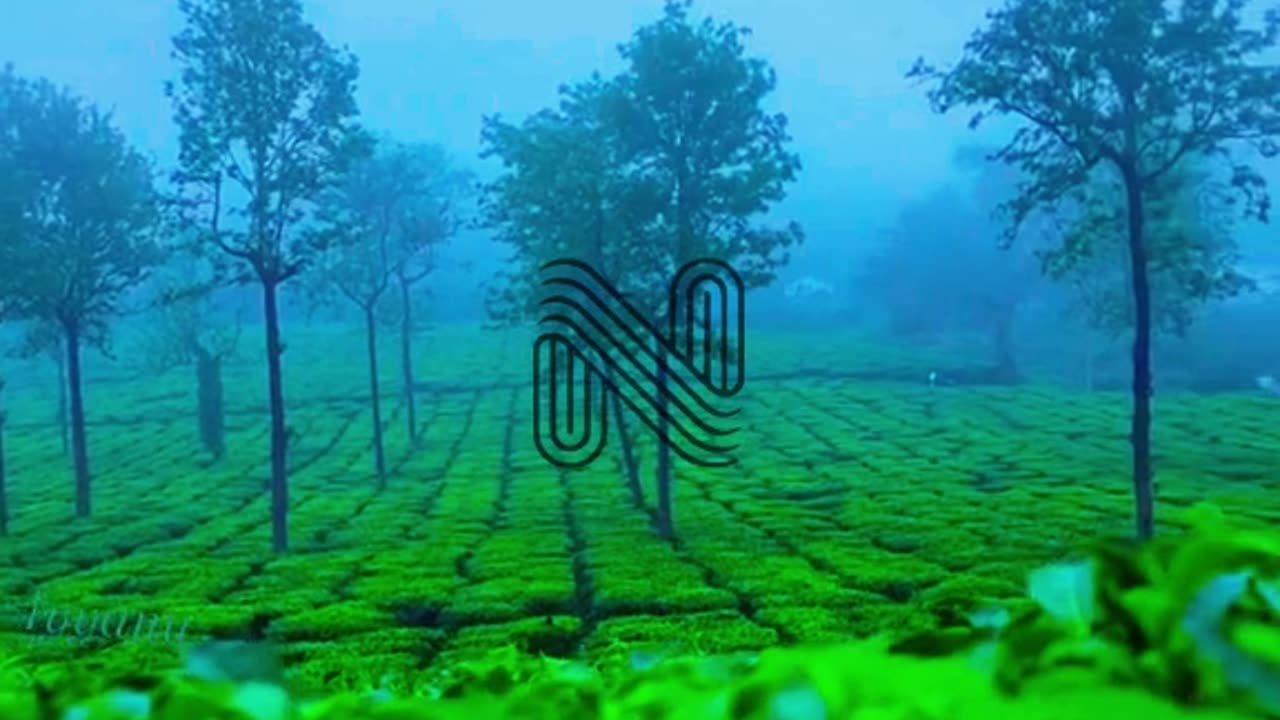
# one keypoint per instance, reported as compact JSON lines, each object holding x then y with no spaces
{"x":594,"y":342}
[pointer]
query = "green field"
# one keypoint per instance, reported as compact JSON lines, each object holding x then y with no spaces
{"x":856,"y":507}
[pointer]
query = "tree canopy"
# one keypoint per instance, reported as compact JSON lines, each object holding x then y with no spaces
{"x":1137,"y":84}
{"x":81,"y":213}
{"x":385,"y":219}
{"x":80,"y":219}
{"x":566,"y":192}
{"x":691,"y":115}
{"x":267,"y":106}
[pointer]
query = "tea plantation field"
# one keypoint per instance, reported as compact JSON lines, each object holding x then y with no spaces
{"x":857,"y":506}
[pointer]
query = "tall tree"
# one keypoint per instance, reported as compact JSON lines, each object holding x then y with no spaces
{"x":1133,"y":85}
{"x":264,"y":104}
{"x":430,"y":210}
{"x":88,"y":235}
{"x":388,"y":219}
{"x":692,"y":122}
{"x":360,"y":214}
{"x":190,"y":328}
{"x":566,"y":193}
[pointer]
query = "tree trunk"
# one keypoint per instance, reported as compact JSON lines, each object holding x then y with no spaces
{"x":375,"y":402}
{"x":629,"y":465}
{"x":79,"y":445}
{"x":1143,"y":486}
{"x":406,"y":361}
{"x":666,"y":523}
{"x":209,"y":405}
{"x":279,"y":436}
{"x":62,"y":400}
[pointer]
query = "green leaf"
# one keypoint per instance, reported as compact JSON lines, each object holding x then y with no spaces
{"x":1066,"y":592}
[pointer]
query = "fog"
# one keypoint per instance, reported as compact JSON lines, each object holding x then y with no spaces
{"x":897,"y":203}
{"x":452,"y":299}
{"x":430,"y":71}
{"x":878,"y":165}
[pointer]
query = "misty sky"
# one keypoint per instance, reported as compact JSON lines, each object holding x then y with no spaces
{"x":432,"y":68}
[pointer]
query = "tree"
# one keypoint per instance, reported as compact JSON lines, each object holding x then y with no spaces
{"x":265,"y":104}
{"x":1133,"y":85}
{"x":691,"y":122}
{"x":88,"y":234}
{"x":923,"y":275}
{"x":391,"y":213}
{"x":1193,"y":252}
{"x":1194,"y":256}
{"x":431,"y":193}
{"x":190,"y":329}
{"x":566,"y":193}
{"x":361,"y":214}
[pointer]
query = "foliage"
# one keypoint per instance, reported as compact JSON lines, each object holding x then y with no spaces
{"x":435,"y":205}
{"x":1134,"y":86}
{"x":86,"y":221}
{"x":565,"y":192}
{"x":813,"y":556}
{"x":385,"y":220}
{"x":357,"y":215}
{"x":15,"y":186}
{"x":42,"y":338}
{"x":190,"y":325}
{"x":692,"y":122}
{"x":1140,"y":82}
{"x":190,"y":320}
{"x":1193,"y":252}
{"x":265,"y":103}
{"x":669,"y":161}
{"x":83,"y":219}
{"x":690,"y":115}
{"x":1193,"y":618}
